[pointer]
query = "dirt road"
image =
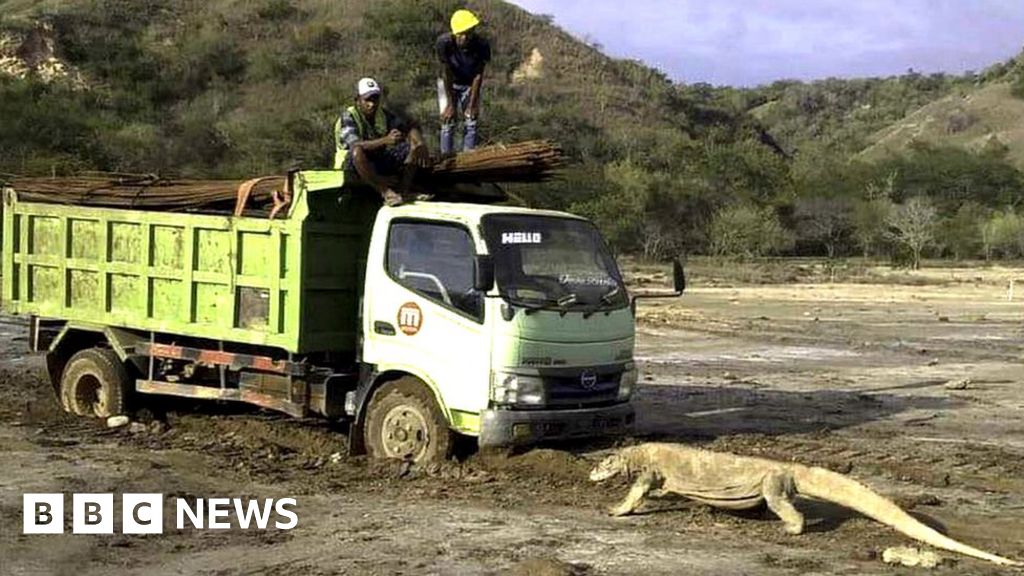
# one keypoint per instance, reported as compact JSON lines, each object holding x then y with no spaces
{"x":916,"y":390}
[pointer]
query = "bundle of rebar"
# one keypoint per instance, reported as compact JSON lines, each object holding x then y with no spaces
{"x":141,"y":191}
{"x":532,"y":161}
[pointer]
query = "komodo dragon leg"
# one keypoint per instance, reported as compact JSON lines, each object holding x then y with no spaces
{"x":778,"y":491}
{"x":643,"y":485}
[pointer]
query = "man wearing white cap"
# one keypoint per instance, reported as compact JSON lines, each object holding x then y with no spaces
{"x":372,"y":142}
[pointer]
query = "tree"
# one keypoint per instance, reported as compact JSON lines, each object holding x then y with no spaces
{"x":870,"y":213}
{"x":746,"y":230}
{"x":951,"y":176}
{"x":912,"y":225}
{"x":825,"y":221}
{"x":620,"y":211}
{"x":987,"y":238}
{"x":962,"y":233}
{"x":1003,"y":234}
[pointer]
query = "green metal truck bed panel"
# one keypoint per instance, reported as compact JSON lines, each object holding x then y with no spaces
{"x":289,"y":283}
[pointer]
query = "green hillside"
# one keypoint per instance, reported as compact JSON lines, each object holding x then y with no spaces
{"x":840,"y":115}
{"x":876,"y":118}
{"x":237,"y":88}
{"x":939,"y":156}
{"x":987,"y":118}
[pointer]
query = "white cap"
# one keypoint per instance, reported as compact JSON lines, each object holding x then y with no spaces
{"x":368,"y":87}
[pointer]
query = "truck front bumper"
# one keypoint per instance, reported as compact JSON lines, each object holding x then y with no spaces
{"x":515,"y":427}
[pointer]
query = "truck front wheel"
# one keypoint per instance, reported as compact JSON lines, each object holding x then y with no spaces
{"x":403,"y":421}
{"x":94,"y":383}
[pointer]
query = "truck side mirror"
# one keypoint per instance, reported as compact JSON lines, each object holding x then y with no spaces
{"x":483,"y":273}
{"x":678,"y":284}
{"x":678,"y":276}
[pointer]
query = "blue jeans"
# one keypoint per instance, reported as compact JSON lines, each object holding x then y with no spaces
{"x":448,"y":128}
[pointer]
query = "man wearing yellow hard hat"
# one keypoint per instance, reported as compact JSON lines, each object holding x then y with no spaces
{"x":464,"y":54}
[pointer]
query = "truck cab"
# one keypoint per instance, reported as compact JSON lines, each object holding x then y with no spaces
{"x":516,"y":321}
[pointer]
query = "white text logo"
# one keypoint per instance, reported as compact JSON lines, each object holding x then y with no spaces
{"x":144,"y":514}
{"x":520,"y":238}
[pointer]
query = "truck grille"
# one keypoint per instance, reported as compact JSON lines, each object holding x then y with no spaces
{"x":570,"y":390}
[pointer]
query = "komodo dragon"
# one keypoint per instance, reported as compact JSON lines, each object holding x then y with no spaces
{"x":739,"y":482}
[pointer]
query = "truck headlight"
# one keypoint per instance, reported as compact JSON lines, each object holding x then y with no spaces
{"x":512,"y":388}
{"x":627,"y":381}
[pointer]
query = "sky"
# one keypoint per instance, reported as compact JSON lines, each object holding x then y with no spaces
{"x":751,"y":42}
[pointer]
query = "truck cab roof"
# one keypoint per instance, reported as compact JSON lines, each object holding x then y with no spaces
{"x":466,"y":212}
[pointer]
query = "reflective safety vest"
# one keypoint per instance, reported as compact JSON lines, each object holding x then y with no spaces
{"x":365,"y":130}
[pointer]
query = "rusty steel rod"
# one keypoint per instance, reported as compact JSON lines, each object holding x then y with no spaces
{"x":532,"y":161}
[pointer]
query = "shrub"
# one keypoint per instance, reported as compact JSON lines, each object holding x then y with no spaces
{"x":1003,"y":234}
{"x":277,"y":10}
{"x":746,"y":230}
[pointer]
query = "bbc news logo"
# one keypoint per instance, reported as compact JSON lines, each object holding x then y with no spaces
{"x":144,"y":513}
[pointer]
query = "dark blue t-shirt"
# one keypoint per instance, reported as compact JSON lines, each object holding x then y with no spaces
{"x":464,"y":63}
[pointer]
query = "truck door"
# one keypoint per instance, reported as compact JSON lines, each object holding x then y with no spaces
{"x":422,"y":315}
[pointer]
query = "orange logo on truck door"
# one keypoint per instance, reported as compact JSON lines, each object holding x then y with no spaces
{"x":410,"y":318}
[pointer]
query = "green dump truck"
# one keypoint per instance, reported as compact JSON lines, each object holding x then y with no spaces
{"x":507,"y":324}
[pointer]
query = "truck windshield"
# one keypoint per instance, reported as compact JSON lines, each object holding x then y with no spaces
{"x":552,"y":262}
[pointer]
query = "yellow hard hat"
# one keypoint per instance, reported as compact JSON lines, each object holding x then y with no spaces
{"x":463,"y":20}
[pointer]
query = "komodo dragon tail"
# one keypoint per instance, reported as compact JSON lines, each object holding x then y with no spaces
{"x":833,"y":487}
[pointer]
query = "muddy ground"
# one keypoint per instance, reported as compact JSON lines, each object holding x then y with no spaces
{"x":914,"y":388}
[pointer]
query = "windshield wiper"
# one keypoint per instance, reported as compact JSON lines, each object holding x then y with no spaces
{"x":567,"y":300}
{"x":530,"y":307}
{"x":607,"y":296}
{"x":606,"y":300}
{"x":561,"y":304}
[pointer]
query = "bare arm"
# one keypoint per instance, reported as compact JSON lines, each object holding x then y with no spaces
{"x":449,"y":112}
{"x":389,"y":139}
{"x":346,"y":133}
{"x":474,"y":95}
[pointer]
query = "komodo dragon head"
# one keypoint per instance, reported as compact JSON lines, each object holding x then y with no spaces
{"x":609,"y":467}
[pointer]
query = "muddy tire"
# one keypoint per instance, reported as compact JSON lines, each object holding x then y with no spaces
{"x":94,"y":383}
{"x":403,"y":421}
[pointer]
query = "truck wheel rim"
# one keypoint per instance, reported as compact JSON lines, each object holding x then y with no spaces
{"x":405,"y":433}
{"x":88,"y":394}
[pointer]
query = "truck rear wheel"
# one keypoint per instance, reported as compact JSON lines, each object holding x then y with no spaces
{"x":403,"y":421}
{"x":94,"y":383}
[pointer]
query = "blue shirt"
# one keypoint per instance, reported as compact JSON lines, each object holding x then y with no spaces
{"x":464,"y":63}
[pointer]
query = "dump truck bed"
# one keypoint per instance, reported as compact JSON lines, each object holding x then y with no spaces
{"x":291,"y":282}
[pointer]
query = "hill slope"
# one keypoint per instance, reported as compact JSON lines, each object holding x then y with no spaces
{"x":840,"y":115}
{"x":233,"y":88}
{"x":236,"y":88}
{"x":874,"y":118}
{"x":986,"y":118}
